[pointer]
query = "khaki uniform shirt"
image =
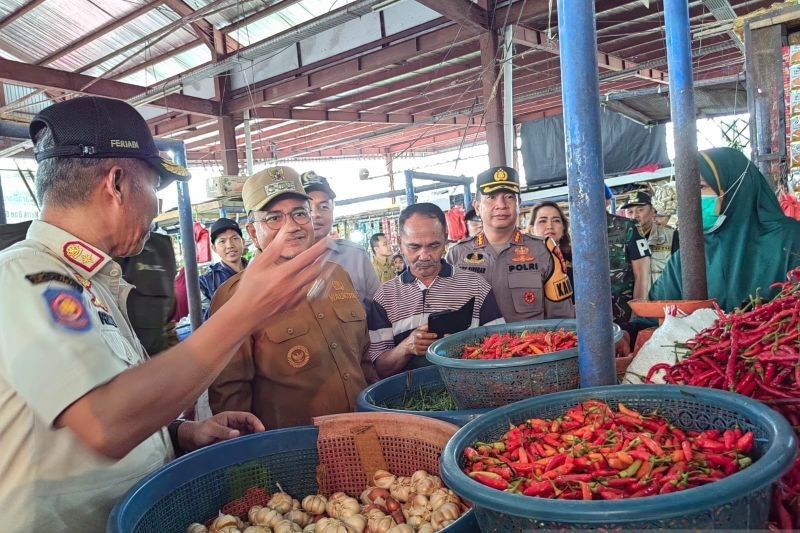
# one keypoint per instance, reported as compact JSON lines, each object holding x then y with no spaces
{"x":663,"y":242}
{"x":303,"y":363}
{"x":528,"y":275}
{"x":384,"y":269}
{"x":64,"y":332}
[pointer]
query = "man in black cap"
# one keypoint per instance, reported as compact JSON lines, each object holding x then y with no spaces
{"x":663,"y":240}
{"x":228,"y":244}
{"x":352,"y":257}
{"x":527,"y":273}
{"x":84,"y":411}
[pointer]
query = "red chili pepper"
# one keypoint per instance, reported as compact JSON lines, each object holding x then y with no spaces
{"x":651,"y":445}
{"x":539,"y":488}
{"x":745,"y":443}
{"x":490,"y":479}
{"x":687,"y":449}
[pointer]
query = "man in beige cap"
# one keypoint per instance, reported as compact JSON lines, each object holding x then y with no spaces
{"x":307,"y":361}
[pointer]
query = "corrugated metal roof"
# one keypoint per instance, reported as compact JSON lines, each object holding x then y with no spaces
{"x":27,"y":107}
{"x":170,"y":66}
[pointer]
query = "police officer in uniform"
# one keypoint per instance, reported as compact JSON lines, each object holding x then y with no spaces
{"x":306,"y":362}
{"x":527,"y":273}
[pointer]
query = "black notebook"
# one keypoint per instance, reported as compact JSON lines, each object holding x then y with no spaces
{"x":446,"y":322}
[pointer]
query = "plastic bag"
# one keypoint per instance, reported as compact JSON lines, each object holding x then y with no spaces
{"x":662,"y":346}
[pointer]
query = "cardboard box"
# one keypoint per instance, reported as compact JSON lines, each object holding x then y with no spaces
{"x":224,"y":186}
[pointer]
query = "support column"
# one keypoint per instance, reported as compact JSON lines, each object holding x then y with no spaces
{"x":508,"y":95}
{"x":580,"y":95}
{"x":687,"y":176}
{"x":248,"y":143}
{"x":492,"y":96}
{"x":389,"y":160}
{"x":2,"y":204}
{"x":409,"y":187}
{"x":185,"y":221}
{"x":222,"y":91}
{"x":227,"y":137}
{"x":467,"y":197}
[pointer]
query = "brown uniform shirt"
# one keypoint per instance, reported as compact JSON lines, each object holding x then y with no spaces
{"x":303,"y":363}
{"x":527,"y":275}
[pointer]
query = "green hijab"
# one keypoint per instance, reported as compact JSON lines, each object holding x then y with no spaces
{"x":753,"y":247}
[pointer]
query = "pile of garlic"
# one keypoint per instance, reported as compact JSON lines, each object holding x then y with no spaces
{"x":391,"y":504}
{"x":665,"y":199}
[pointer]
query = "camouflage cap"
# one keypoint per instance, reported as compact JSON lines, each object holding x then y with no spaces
{"x":263,"y":187}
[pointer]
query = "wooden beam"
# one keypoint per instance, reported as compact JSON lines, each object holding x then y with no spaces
{"x":462,"y":12}
{"x":46,"y":77}
{"x":202,"y":28}
{"x":538,"y":40}
{"x":14,"y":15}
{"x":99,"y":32}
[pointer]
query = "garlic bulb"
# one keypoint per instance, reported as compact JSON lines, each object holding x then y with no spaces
{"x":355,"y":524}
{"x":380,"y":525}
{"x":265,"y":517}
{"x":300,"y":518}
{"x":257,"y":529}
{"x":343,"y":507}
{"x":252,"y":513}
{"x":224,"y":520}
{"x":401,"y":492}
{"x":287,"y":526}
{"x":445,"y":514}
{"x":227,"y":529}
{"x":310,"y":528}
{"x":415,"y":521}
{"x":427,"y":486}
{"x":314,"y":504}
{"x":374,"y":513}
{"x":280,"y":502}
{"x":442,"y":496}
{"x":296,"y":505}
{"x":330,"y":525}
{"x":196,"y":528}
{"x":425,"y":528}
{"x":383,"y":479}
{"x":401,"y":528}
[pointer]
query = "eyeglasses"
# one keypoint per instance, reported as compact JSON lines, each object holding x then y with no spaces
{"x":276,"y":220}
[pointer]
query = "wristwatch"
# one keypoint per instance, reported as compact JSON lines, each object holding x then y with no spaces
{"x":173,"y":436}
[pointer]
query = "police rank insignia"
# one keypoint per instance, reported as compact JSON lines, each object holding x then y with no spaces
{"x":474,"y":258}
{"x":82,"y":255}
{"x":529,"y":297}
{"x":298,"y":356}
{"x":500,"y":175}
{"x":47,"y":277}
{"x":67,"y":309}
{"x":337,"y":285}
{"x":522,"y":254}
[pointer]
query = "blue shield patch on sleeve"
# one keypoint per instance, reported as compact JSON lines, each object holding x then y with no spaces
{"x":67,"y":309}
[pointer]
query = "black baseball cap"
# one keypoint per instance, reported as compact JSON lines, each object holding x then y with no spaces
{"x":498,"y":178}
{"x":222,"y":225}
{"x":472,"y":216}
{"x":312,"y":182}
{"x":638,"y":198}
{"x":101,"y":128}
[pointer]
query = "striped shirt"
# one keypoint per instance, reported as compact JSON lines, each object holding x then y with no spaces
{"x":403,"y":304}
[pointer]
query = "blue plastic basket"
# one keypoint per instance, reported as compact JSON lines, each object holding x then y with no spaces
{"x":475,"y":384}
{"x":389,"y":394}
{"x":193,"y":488}
{"x":741,"y":501}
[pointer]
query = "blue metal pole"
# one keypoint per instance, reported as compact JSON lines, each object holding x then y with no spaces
{"x":467,"y":197}
{"x":687,"y":176}
{"x":584,"y":151}
{"x":187,"y":234}
{"x":409,"y":187}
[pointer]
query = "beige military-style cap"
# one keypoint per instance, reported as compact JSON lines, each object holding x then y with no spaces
{"x":263,"y":187}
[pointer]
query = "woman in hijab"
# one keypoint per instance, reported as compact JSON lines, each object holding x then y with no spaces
{"x":749,"y":242}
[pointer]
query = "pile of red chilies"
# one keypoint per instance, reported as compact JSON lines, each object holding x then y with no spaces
{"x":596,"y":453}
{"x":504,"y":346}
{"x":755,"y":353}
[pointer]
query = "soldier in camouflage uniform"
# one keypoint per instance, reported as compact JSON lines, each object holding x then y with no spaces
{"x":629,"y":265}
